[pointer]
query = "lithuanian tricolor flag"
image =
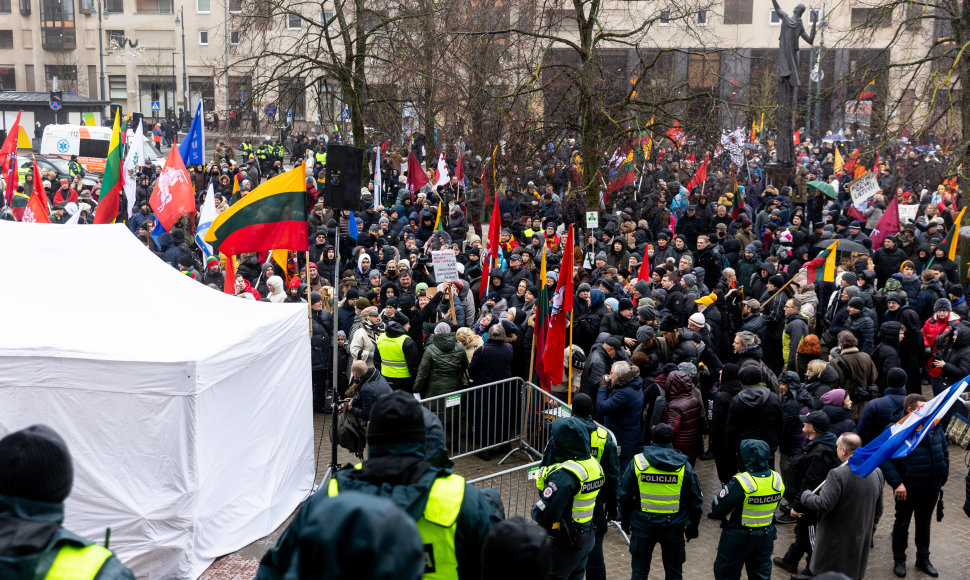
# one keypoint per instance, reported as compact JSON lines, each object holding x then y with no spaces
{"x":272,"y":217}
{"x":113,"y":181}
{"x":438,"y":226}
{"x":822,"y":268}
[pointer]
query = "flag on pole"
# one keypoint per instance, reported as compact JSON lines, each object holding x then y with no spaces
{"x":438,"y":226}
{"x":839,"y":164}
{"x":273,"y":216}
{"x":378,"y":189}
{"x":491,"y":251}
{"x":192,"y":148}
{"x":822,"y":268}
{"x":441,"y":176}
{"x":562,"y":305}
{"x":541,"y":323}
{"x":625,"y":175}
{"x":37,"y":210}
{"x":700,"y":176}
{"x":352,"y":231}
{"x":906,"y":434}
{"x":112,"y":182}
{"x":888,"y":224}
{"x":645,"y":264}
{"x":676,"y":134}
{"x":460,"y":172}
{"x":236,"y":191}
{"x":8,"y":160}
{"x":734,"y":143}
{"x":953,"y":236}
{"x":173,"y":195}
{"x":417,"y":178}
{"x":206,"y":217}
{"x":133,"y":160}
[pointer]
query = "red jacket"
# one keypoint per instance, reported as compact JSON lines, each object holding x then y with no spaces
{"x":932,"y":328}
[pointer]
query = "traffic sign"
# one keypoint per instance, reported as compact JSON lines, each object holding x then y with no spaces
{"x":289,"y":116}
{"x":270,"y":110}
{"x":55,"y":100}
{"x":156,"y":106}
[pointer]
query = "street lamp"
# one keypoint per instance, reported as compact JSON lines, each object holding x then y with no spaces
{"x":180,"y":20}
{"x":175,"y":85}
{"x":101,"y":47}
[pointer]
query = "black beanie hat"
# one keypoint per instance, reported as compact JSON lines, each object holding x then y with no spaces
{"x":662,"y":433}
{"x":777,"y":281}
{"x":396,"y":418}
{"x":857,"y":303}
{"x":516,"y":548}
{"x":896,"y":378}
{"x":750,"y":375}
{"x":36,"y":464}
{"x":582,"y":405}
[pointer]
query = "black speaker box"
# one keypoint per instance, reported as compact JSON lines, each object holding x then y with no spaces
{"x":342,"y":186}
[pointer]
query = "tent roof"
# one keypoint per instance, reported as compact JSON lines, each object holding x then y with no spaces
{"x":57,"y":278}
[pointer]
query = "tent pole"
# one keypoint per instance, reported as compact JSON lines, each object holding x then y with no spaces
{"x":332,"y":468}
{"x":309,"y":302}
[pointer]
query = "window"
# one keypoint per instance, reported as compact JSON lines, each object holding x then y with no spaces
{"x":25,"y":7}
{"x":203,"y":6}
{"x":6,"y":38}
{"x":738,"y":11}
{"x":118,"y":90}
{"x":293,"y":22}
{"x":7,"y":77}
{"x":235,"y":6}
{"x":203,"y":37}
{"x":114,"y":36}
{"x":813,"y":16}
{"x":292,"y":96}
{"x":114,"y":6}
{"x":5,"y":6}
{"x":327,"y":16}
{"x":234,"y":37}
{"x":154,"y":6}
{"x":702,"y":17}
{"x":774,"y":19}
{"x":66,"y":76}
{"x":57,"y":24}
{"x":665,"y":18}
{"x":871,"y":18}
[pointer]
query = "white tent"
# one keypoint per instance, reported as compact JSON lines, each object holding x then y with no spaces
{"x":187,"y":411}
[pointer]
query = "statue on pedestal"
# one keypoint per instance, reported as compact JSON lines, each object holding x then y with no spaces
{"x":787,"y":75}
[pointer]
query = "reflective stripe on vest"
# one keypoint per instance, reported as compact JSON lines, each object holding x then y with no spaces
{"x":393,"y":363}
{"x":591,"y":479}
{"x":78,"y":563}
{"x":437,"y":525}
{"x":321,"y":156}
{"x":597,"y":442}
{"x":761,"y":497}
{"x":659,"y":490}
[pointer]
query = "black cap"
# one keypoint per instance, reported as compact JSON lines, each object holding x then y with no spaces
{"x":857,"y":303}
{"x":613,"y":342}
{"x":662,"y":433}
{"x":516,"y":548}
{"x":582,"y":405}
{"x":750,"y":375}
{"x":669,"y":323}
{"x":818,"y":419}
{"x":36,"y":464}
{"x":396,"y":418}
{"x":625,"y":304}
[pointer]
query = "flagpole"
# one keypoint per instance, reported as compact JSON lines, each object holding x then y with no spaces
{"x":569,"y":371}
{"x":309,"y":302}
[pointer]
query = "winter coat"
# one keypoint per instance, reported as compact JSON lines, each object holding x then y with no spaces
{"x":410,"y":349}
{"x":855,"y":369}
{"x":796,"y":328}
{"x":864,"y":329}
{"x":169,"y":252}
{"x":886,"y":355}
{"x":442,"y":368}
{"x":755,"y":414}
{"x":321,"y":347}
{"x":363,"y":345}
{"x":621,"y":405}
{"x":910,"y":285}
{"x":878,"y":413}
{"x":723,"y":454}
{"x":745,"y":269}
{"x":887,"y":263}
{"x":616,"y":325}
{"x":373,"y":385}
{"x":810,"y":467}
{"x":958,"y":361}
{"x":925,"y":469}
{"x":598,"y":364}
{"x":840,"y":420}
{"x":792,"y":438}
{"x":817,"y":386}
{"x":663,"y":457}
{"x":491,"y":362}
{"x":848,"y":507}
{"x":683,"y":414}
{"x":755,"y":323}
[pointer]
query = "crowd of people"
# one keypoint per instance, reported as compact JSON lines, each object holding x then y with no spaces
{"x":696,"y":336}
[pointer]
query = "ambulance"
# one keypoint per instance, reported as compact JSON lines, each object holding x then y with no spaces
{"x":90,"y":144}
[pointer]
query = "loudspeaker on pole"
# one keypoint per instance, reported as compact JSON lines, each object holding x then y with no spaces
{"x":343,"y":172}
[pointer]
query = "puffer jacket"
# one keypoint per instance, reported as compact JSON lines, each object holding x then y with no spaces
{"x":810,"y":468}
{"x":887,"y":262}
{"x":886,"y":355}
{"x":862,"y":326}
{"x":958,"y":362}
{"x":621,"y":405}
{"x":910,"y":285}
{"x":755,"y":414}
{"x":683,"y":414}
{"x":442,"y":368}
{"x":756,"y":323}
{"x":925,"y":469}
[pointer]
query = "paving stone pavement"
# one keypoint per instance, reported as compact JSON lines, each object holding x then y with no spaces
{"x":950,"y":543}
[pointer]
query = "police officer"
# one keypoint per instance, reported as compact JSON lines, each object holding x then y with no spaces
{"x":74,"y":168}
{"x":746,"y":506}
{"x":36,"y":475}
{"x":442,"y":504}
{"x":321,"y":154}
{"x":398,"y":357}
{"x":247,"y":149}
{"x":660,"y":500}
{"x":603,"y":449}
{"x":568,"y":497}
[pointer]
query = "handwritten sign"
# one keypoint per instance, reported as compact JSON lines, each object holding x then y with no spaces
{"x":864,"y":188}
{"x":907,"y":213}
{"x":445,"y":268}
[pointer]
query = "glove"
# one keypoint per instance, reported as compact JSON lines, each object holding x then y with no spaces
{"x":611,"y":514}
{"x":690,"y":533}
{"x":625,"y":526}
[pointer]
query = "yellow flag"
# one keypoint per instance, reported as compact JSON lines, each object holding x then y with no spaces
{"x":955,"y":234}
{"x":761,"y":125}
{"x":838,"y":160}
{"x":437,"y":221}
{"x":753,"y":129}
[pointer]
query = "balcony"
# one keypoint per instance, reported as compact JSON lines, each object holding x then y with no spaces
{"x":58,"y":38}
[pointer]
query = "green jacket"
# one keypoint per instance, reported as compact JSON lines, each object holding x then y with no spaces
{"x":31,"y":531}
{"x":442,"y":368}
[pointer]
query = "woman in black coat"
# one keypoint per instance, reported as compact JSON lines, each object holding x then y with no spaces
{"x":494,"y":406}
{"x":321,"y":351}
{"x":724,"y":455}
{"x":886,"y":354}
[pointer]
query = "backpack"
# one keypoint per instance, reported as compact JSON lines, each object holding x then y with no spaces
{"x":351,"y":434}
{"x":771,"y":379}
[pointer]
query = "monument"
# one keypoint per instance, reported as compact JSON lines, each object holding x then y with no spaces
{"x":786,"y":74}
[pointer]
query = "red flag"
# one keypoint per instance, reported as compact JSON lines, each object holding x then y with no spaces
{"x":795,"y":138}
{"x":491,"y":253}
{"x":173,"y":195}
{"x":854,"y":213}
{"x":416,"y":176}
{"x":562,"y":305}
{"x":700,"y":176}
{"x":676,"y":134}
{"x":645,"y":265}
{"x":229,"y":286}
{"x":37,"y":211}
{"x":460,"y":171}
{"x":888,"y":224}
{"x":8,"y":160}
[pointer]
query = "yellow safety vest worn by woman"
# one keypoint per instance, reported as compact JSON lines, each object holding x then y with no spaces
{"x":437,"y":525}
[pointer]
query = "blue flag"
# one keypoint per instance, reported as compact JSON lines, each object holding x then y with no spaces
{"x":902,"y":437}
{"x":352,"y":230}
{"x":157,"y":232}
{"x":192,"y":148}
